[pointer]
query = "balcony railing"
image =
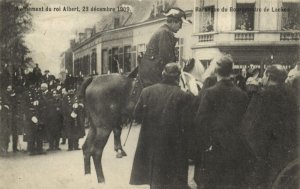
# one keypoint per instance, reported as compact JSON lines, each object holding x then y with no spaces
{"x":244,"y":36}
{"x":289,"y":36}
{"x":206,"y":37}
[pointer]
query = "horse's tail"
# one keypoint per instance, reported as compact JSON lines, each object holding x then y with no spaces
{"x":83,"y":86}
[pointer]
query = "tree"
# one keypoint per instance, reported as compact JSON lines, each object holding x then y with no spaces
{"x":16,"y":20}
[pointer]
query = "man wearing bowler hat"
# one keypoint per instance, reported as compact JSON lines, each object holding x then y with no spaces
{"x":161,"y":157}
{"x":161,"y":48}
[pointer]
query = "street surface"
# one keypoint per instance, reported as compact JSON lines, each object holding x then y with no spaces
{"x":64,"y":169}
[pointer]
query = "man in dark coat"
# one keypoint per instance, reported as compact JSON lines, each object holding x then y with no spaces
{"x":161,"y":159}
{"x":35,"y":130}
{"x":10,"y":98}
{"x":37,"y":75}
{"x":52,"y":117}
{"x":48,"y":79}
{"x":270,"y":126}
{"x":4,"y":127}
{"x":5,"y":78}
{"x":221,"y":157}
{"x":161,"y":48}
{"x":73,"y":120}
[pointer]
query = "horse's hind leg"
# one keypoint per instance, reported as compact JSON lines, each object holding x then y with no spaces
{"x":88,"y":149}
{"x":117,"y":141}
{"x":102,"y":135}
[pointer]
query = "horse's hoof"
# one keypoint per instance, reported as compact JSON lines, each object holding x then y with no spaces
{"x":119,"y":154}
{"x":101,"y":180}
{"x":124,"y":153}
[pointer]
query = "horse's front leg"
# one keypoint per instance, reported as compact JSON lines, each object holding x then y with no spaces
{"x":117,"y":141}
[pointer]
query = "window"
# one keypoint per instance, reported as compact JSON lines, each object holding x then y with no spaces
{"x":105,"y":60}
{"x":179,"y":49}
{"x":290,"y":19}
{"x":127,"y":59}
{"x":245,"y":16}
{"x":88,"y":65}
{"x":94,"y":62}
{"x":159,"y":6}
{"x":116,"y":22}
{"x":133,"y":57}
{"x":121,"y":60}
{"x":207,"y":17}
{"x":114,"y":60}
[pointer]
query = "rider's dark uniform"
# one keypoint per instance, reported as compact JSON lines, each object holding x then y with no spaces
{"x":160,"y":51}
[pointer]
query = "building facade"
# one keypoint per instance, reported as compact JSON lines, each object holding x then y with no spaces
{"x":257,"y":32}
{"x":122,"y":36}
{"x":254,"y":32}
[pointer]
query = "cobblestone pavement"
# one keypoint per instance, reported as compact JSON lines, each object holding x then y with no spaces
{"x":64,"y":169}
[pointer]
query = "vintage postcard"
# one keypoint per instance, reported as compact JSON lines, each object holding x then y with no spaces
{"x":123,"y":94}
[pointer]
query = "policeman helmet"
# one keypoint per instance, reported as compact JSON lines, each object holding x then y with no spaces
{"x":44,"y":86}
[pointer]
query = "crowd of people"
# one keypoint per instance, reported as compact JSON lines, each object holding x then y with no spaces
{"x":240,"y":131}
{"x":43,"y":110}
{"x":238,"y":137}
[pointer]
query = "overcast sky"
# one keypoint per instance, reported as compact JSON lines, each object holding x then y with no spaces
{"x":52,"y":31}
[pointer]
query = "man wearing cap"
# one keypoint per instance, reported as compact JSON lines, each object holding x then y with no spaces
{"x":34,"y":130}
{"x":10,"y":98}
{"x":4,"y":127}
{"x":48,"y":79}
{"x":73,"y":119}
{"x":270,"y":127}
{"x":160,"y":160}
{"x":221,"y":156}
{"x":51,"y":117}
{"x":161,"y":48}
{"x":37,"y":73}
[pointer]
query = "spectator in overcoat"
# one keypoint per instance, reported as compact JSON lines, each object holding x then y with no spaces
{"x":48,"y":79}
{"x":270,"y":126}
{"x":37,"y":75}
{"x":161,"y":156}
{"x":5,"y":78}
{"x":4,"y":127}
{"x":253,"y":83}
{"x":10,"y":98}
{"x":221,"y":156}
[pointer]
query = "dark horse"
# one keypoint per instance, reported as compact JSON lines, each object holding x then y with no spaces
{"x":109,"y":102}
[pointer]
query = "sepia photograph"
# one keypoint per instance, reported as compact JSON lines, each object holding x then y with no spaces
{"x":149,"y":94}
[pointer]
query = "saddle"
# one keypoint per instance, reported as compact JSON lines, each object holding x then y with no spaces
{"x":133,"y":98}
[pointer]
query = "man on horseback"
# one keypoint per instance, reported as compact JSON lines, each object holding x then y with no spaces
{"x":161,"y":48}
